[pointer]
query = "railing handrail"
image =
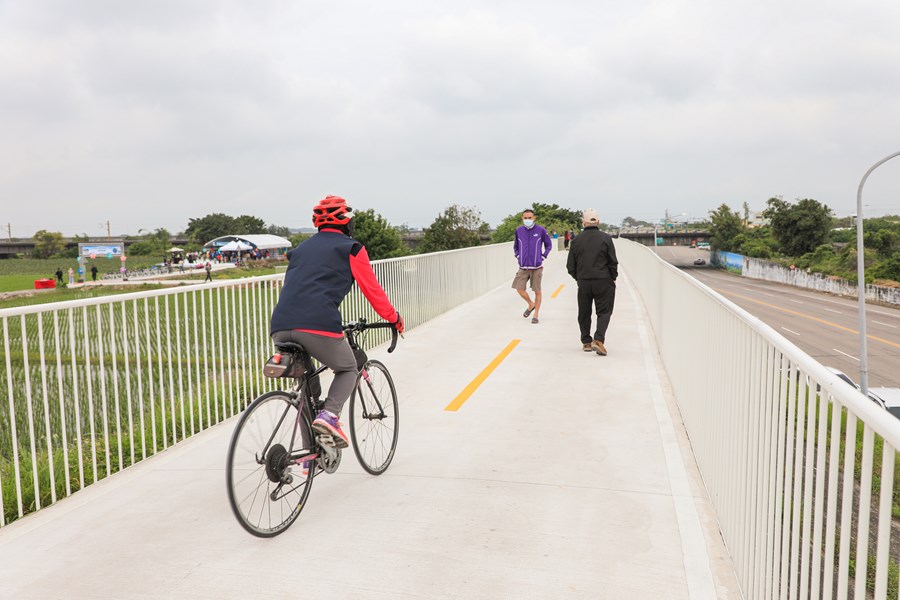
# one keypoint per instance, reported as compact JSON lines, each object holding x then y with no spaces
{"x":127,"y":296}
{"x":883,"y":423}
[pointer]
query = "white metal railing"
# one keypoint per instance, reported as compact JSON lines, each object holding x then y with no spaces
{"x":768,"y":425}
{"x":96,"y":385}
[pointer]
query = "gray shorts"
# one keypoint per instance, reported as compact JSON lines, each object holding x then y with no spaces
{"x":524,"y":275}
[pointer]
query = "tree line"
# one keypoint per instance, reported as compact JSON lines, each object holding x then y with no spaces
{"x":455,"y":227}
{"x":807,"y":235}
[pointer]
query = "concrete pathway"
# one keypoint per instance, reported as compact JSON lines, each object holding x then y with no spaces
{"x":565,"y":475}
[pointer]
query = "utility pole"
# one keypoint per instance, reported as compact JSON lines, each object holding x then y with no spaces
{"x":9,"y":232}
{"x":108,"y":236}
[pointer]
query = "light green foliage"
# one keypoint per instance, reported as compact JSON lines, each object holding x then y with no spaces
{"x":552,"y":217}
{"x":152,"y":244}
{"x":888,"y":268}
{"x":757,"y":242}
{"x":456,"y":227}
{"x":48,"y":243}
{"x":726,"y":227}
{"x":376,"y":234}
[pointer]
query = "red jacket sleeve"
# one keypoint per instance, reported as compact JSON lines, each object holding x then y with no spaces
{"x":368,"y":284}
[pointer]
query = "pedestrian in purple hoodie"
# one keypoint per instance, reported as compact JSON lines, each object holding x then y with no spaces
{"x":531,"y":247}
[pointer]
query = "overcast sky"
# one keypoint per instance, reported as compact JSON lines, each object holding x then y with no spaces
{"x":149,"y":113}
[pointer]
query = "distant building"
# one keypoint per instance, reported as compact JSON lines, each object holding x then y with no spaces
{"x":757,"y":220}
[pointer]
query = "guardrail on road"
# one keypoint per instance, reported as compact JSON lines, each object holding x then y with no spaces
{"x":95,"y":385}
{"x":768,"y":425}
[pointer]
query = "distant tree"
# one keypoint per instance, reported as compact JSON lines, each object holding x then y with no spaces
{"x":551,"y":216}
{"x":299,"y":238}
{"x":799,"y":228}
{"x":48,"y":243}
{"x":632,"y":222}
{"x":457,"y":227}
{"x":726,"y":226}
{"x":284,"y":232}
{"x":153,"y":243}
{"x":248,"y":225}
{"x":746,"y":208}
{"x":376,"y":234}
{"x":210,"y":227}
{"x":757,"y":242}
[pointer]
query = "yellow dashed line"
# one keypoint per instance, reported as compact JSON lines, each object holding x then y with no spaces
{"x":810,"y":317}
{"x":470,"y":389}
{"x":558,"y":290}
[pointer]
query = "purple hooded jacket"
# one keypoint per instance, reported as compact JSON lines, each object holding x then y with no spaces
{"x":532,"y":246}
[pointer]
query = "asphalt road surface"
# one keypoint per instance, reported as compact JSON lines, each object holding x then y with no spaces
{"x":825,"y":326}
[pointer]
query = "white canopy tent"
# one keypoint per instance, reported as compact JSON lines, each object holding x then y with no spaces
{"x":258,"y":241}
{"x":236,"y":246}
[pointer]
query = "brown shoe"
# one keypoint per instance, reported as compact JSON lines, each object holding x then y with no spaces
{"x":598,"y":347}
{"x":587,"y":348}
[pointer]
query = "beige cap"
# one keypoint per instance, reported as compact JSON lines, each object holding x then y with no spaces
{"x":590,"y":217}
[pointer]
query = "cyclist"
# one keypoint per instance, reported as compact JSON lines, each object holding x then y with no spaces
{"x":320,"y":273}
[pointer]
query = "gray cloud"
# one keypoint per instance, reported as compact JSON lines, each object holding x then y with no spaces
{"x":150,"y":113}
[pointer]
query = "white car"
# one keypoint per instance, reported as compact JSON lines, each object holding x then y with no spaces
{"x":890,"y":398}
{"x":887,"y":398}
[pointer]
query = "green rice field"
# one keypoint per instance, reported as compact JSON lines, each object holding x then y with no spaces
{"x":100,"y":387}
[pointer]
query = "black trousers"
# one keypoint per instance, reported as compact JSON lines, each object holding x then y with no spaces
{"x":599,"y":295}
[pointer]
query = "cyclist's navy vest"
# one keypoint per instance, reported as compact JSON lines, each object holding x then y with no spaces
{"x":317,"y":280}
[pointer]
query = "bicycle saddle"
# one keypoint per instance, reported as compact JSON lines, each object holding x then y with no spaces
{"x":291,"y":347}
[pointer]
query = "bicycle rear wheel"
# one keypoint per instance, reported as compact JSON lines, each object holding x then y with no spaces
{"x":266,"y":489}
{"x":374,"y":418}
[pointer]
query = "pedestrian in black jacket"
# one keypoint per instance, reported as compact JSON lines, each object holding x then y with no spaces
{"x":592,"y":263}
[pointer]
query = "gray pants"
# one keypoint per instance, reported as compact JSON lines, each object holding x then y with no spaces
{"x":334,"y":353}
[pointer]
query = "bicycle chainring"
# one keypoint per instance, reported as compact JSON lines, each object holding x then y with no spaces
{"x":330,"y":463}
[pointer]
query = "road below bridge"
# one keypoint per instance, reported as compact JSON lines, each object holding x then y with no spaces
{"x":824,"y":326}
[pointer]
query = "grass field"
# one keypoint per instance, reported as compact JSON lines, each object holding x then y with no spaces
{"x":101,"y":387}
{"x":44,"y":268}
{"x":13,"y":283}
{"x":10,"y":281}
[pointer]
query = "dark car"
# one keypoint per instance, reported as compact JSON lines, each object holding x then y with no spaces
{"x":699,"y":261}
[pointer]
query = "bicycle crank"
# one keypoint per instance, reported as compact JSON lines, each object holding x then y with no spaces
{"x":330,"y":459}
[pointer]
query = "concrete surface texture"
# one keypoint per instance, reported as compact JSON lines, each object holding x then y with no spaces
{"x":565,"y":475}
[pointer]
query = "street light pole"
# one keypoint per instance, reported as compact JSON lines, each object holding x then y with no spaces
{"x":861,"y":280}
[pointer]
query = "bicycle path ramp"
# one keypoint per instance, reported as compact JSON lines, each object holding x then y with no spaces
{"x":526,"y":468}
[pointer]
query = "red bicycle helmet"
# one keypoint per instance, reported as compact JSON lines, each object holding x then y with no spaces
{"x":332,"y":210}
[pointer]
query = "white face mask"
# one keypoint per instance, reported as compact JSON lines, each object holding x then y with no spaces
{"x":529,"y":223}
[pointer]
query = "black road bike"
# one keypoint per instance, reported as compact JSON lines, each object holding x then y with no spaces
{"x":275,"y":454}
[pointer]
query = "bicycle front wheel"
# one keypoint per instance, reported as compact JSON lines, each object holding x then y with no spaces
{"x":374,"y":418}
{"x":267,"y":489}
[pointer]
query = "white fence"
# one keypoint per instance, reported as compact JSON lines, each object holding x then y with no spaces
{"x":762,"y":269}
{"x":94,"y":386}
{"x":768,"y":425}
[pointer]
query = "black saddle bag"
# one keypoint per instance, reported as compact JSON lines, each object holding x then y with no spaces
{"x":283,"y":365}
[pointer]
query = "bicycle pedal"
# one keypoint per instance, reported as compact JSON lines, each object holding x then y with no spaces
{"x":326,"y":440}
